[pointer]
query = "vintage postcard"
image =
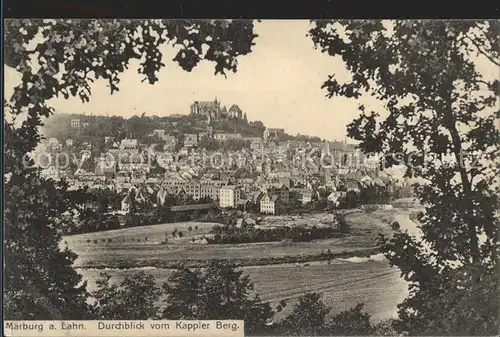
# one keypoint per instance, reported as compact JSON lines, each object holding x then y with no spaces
{"x":251,"y":177}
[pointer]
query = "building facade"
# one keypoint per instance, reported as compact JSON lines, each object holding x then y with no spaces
{"x":281,"y":191}
{"x":129,"y":144}
{"x":235,"y":112}
{"x":75,"y":123}
{"x":229,"y":196}
{"x":272,"y":133}
{"x":268,"y":204}
{"x":210,"y":188}
{"x":213,"y":110}
{"x":208,"y":108}
{"x":223,"y":137}
{"x":193,"y":188}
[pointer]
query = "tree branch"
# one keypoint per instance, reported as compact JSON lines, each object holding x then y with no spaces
{"x":483,"y":52}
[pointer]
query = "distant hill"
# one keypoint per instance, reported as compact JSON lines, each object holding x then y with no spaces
{"x":140,"y":127}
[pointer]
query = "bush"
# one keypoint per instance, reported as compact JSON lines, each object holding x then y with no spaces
{"x":308,"y":317}
{"x":133,"y":299}
{"x":232,"y":234}
{"x":385,"y":328}
{"x":352,"y":322}
{"x":203,"y":294}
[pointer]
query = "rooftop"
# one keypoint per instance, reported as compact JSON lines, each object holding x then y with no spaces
{"x":229,"y":187}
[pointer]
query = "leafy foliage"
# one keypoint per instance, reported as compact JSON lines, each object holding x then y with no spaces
{"x":39,"y":280}
{"x":476,"y":304}
{"x":440,"y":118}
{"x":231,"y":234}
{"x":311,"y":317}
{"x":217,"y":292}
{"x":134,"y":298}
{"x":352,"y":322}
{"x":385,"y":328}
{"x":308,"y":317}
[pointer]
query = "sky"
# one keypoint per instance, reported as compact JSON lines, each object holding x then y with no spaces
{"x":278,"y":83}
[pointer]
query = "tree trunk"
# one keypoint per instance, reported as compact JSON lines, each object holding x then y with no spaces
{"x":467,"y":189}
{"x":468,"y":212}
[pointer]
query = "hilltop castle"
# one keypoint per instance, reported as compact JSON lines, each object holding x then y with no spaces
{"x":213,"y":110}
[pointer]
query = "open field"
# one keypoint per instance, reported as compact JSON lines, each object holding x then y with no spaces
{"x":144,"y":234}
{"x":136,"y":246}
{"x":343,"y":284}
{"x":112,"y":256}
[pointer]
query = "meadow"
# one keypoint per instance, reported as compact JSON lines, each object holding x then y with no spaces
{"x":342,"y":282}
{"x":138,"y":245}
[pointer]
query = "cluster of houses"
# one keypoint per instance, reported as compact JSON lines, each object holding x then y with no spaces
{"x":268,"y":176}
{"x":266,"y":196}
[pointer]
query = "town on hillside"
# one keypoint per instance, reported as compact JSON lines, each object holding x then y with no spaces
{"x":212,"y":158}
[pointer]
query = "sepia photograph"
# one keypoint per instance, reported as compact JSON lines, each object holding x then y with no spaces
{"x":233,"y":177}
